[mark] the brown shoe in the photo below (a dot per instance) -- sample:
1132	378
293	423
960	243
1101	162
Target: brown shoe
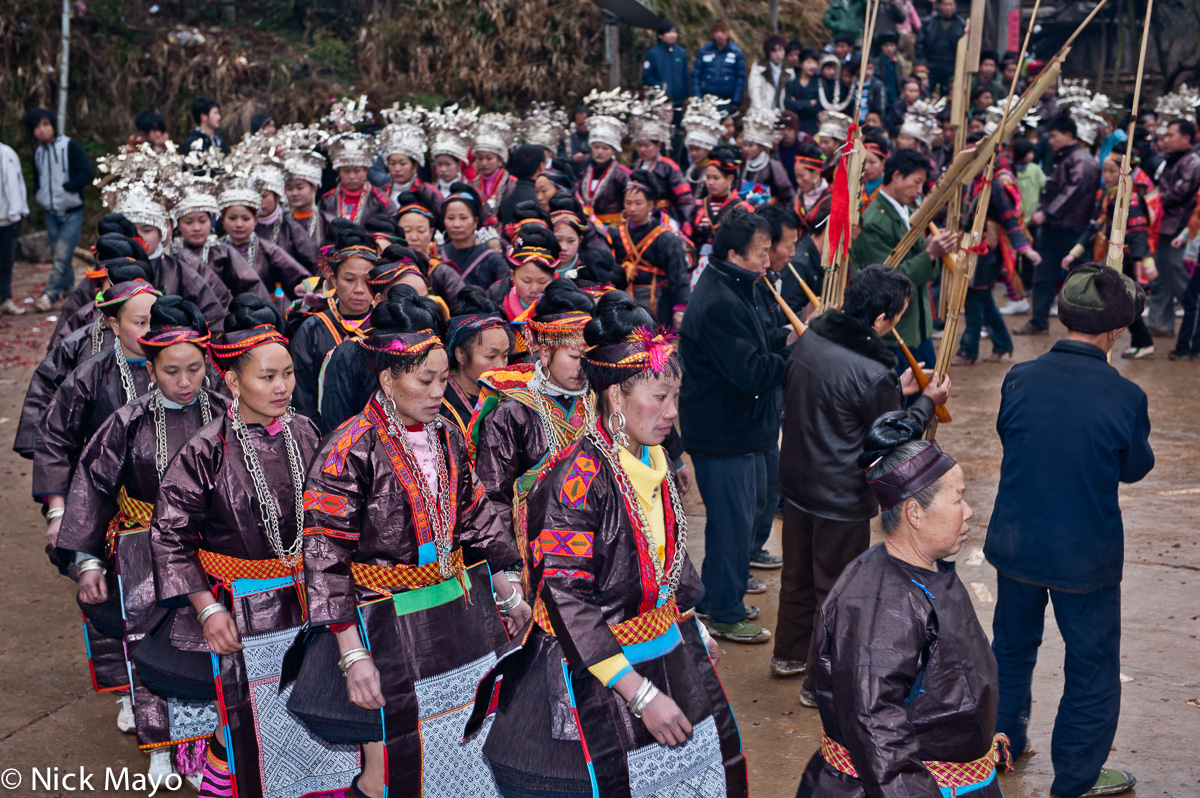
996	357
962	360
1029	328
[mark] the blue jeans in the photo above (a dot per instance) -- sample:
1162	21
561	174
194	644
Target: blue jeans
1090	624
980	309
766	471
64	232
729	488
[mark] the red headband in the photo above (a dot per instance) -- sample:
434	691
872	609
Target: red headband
810	163
235	344
169	336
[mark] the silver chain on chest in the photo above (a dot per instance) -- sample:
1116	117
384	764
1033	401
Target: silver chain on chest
160	426
291	556
671	580
127	385
275	229
441	534
312	225
97	333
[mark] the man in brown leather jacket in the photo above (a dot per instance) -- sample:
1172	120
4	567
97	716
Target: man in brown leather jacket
1066	203
840	378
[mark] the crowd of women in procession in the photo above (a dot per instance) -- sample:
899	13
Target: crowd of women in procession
378	492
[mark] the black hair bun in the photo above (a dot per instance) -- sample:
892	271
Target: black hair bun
353	236
888	432
381	223
464	188
473	299
396	253
725	152
536	235
411	197
113	246
562	296
407	311
565	201
614	318
810	150
175	311
116	223
247	311
126	271
529	210
600	268
336	226
643	177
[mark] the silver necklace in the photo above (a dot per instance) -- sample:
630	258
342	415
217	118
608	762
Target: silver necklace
127	385
541	387
441	535
275	229
312	225
291	556
98	333
160	426
670	580
838	103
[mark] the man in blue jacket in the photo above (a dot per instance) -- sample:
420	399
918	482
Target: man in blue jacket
720	69
1072	430
729	403
666	65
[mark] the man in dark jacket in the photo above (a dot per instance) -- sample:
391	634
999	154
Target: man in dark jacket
840	378
729	410
525	164
1066	203
720	69
1177	185
61	173
937	43
666	65
207	116
1073	429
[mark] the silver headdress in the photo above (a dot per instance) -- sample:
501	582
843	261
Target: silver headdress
610	110
544	126
702	122
650	117
448	131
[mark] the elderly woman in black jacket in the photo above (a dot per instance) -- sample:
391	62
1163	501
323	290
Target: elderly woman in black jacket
905	677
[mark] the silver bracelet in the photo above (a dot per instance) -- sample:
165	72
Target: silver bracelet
642	698
509	604
210	611
513	576
55	512
350	657
91	564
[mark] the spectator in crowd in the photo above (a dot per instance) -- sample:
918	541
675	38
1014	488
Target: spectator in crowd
937	44
803	93
13	208
151	127
845	17
1177	185
789	142
908	29
1063	214
1056	534
890	68
910	92
61	173
574	147
843	46
792	54
666	65
263	123
729	410
207	116
769	78
720	68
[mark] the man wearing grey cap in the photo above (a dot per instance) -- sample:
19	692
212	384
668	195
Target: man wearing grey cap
1073	429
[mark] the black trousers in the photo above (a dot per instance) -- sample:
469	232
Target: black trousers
1189	329
815	551
1054	245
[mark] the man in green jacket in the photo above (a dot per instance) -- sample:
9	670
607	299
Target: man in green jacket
884	223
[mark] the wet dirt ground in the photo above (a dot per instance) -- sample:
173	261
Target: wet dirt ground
50	718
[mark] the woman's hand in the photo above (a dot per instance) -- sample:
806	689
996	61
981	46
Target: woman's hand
684	478
666	722
221	634
92	587
516	619
1066	262
1178	241
52	531
362	685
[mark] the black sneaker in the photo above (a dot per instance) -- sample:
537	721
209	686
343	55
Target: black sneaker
755	585
760	559
1180	354
808	698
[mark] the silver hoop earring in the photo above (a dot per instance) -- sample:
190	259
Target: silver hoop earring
389	407
233	408
616	427
150	387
